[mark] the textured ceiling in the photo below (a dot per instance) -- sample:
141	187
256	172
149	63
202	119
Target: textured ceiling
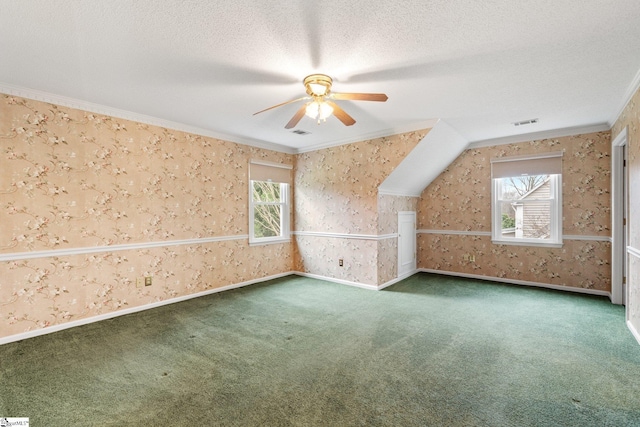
207	66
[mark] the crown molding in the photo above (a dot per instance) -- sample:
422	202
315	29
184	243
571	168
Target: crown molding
78	104
65	101
38	95
634	86
546	134
426	124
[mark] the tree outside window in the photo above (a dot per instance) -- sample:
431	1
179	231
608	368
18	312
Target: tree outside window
525	206
269	211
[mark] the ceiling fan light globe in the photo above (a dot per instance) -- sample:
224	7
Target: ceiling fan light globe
325	111
318	110
312	110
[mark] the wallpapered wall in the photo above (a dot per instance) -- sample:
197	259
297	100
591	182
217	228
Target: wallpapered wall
336	191
457	205
630	118
75	180
388	208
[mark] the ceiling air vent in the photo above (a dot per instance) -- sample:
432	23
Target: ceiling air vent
526	122
300	132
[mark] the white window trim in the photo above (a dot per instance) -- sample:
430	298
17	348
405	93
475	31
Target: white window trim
285	228
556	218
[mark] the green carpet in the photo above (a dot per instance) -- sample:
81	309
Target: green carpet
430	350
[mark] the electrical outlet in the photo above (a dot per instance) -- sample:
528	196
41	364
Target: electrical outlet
341	262
465	257
147	281
139	282
472	258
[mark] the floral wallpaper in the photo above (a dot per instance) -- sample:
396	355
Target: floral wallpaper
580	264
336	191
630	118
633	301
319	255
388	208
460	200
48	291
72	179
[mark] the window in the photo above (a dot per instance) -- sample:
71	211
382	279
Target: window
268	202
527	200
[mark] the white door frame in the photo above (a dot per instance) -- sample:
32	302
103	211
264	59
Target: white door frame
403	239
618	215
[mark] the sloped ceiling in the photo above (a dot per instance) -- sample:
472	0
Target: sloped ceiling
207	66
425	162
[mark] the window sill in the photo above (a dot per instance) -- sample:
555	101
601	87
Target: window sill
527	243
269	241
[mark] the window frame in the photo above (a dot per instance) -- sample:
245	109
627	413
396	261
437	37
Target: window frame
285	230
555	214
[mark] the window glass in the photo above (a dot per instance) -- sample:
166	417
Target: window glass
269	212
265	191
527	209
266	221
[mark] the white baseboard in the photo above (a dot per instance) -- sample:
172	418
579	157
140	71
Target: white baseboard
105	316
634	331
397	279
357	284
340	281
88	320
520	282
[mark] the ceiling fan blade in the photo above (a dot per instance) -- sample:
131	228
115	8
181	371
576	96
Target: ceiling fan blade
380	97
296	117
341	114
280	105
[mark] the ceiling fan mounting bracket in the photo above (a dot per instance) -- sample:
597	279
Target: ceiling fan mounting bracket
318	84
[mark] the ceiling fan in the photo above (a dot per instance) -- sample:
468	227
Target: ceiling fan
321	103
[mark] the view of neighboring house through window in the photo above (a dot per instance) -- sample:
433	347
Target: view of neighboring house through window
526	199
268	202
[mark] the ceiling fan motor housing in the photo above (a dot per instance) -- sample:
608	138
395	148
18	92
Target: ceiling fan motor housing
318	84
